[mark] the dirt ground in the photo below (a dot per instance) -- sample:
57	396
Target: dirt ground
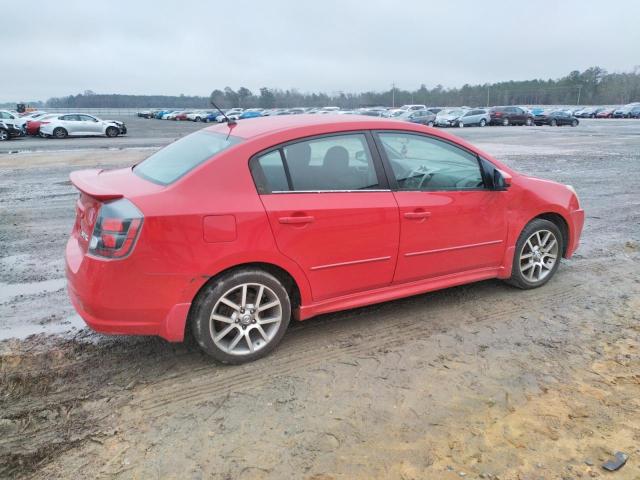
478	381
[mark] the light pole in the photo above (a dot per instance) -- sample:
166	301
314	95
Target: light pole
393	95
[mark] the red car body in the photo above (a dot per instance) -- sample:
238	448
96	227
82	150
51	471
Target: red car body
361	247
182	116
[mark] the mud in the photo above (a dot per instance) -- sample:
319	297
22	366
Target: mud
478	381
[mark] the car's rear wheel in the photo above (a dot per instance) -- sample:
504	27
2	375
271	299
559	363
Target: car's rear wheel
198	119
241	316
60	133
430	124
505	122
528	122
554	122
537	254
112	132
483	122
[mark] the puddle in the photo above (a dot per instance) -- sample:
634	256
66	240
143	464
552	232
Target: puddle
12	290
20	332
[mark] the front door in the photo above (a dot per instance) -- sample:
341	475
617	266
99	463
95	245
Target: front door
331	212
449	222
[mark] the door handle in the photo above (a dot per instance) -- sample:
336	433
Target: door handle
296	220
417	215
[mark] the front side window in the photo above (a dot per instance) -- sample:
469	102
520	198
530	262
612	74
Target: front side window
424	163
86	118
178	158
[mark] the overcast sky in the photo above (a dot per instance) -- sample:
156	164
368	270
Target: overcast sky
63	47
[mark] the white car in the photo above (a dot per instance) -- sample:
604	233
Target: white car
12	118
198	115
413	107
80	125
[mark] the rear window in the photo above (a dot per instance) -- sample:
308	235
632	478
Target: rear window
175	160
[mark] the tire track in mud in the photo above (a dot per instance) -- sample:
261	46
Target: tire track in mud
384	332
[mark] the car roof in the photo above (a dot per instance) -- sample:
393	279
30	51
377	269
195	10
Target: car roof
252	128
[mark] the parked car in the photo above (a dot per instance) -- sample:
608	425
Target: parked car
80	125
249	114
413	107
556	118
423	117
449	117
626	111
12	120
232	250
9	130
33	125
606	113
181	116
634	112
510	116
474	117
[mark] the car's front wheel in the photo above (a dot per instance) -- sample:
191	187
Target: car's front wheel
112	132
4	135
537	254
460	124
483	122
554	123
505	122
241	316
528	122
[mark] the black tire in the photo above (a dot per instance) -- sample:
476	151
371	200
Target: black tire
554	122
517	278
60	133
483	122
112	132
4	135
460	124
528	122
574	123
210	295
505	122
430	124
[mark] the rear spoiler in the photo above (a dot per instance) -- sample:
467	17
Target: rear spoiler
88	183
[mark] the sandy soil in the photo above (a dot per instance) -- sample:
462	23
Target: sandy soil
479	381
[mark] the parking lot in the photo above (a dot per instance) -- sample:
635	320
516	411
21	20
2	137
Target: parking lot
478	381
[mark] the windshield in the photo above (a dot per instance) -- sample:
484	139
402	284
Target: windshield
175	160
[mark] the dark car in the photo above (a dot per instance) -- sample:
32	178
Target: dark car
556	119
510	116
9	130
634	112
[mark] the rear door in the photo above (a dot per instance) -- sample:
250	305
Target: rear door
331	211
449	221
72	124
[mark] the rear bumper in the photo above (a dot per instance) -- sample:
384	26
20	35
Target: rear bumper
113	298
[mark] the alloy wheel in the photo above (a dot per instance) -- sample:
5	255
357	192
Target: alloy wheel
4	135
539	255
245	319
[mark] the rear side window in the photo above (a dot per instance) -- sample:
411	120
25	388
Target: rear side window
175	160
333	163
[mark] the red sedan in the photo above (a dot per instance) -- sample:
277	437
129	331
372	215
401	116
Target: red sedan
234	230
607	113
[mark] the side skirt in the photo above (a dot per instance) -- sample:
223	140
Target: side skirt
392	292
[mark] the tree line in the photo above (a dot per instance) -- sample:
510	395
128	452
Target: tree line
593	86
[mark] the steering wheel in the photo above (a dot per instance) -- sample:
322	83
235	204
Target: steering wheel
420	171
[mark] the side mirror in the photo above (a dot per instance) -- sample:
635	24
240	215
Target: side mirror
501	180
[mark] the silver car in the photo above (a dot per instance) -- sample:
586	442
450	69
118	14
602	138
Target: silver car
80	125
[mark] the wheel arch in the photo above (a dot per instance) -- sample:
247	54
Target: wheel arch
286	278
560	222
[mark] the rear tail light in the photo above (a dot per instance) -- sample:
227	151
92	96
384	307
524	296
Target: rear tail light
116	230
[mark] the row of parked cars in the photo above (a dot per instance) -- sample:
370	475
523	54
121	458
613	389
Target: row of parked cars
431	116
57	125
